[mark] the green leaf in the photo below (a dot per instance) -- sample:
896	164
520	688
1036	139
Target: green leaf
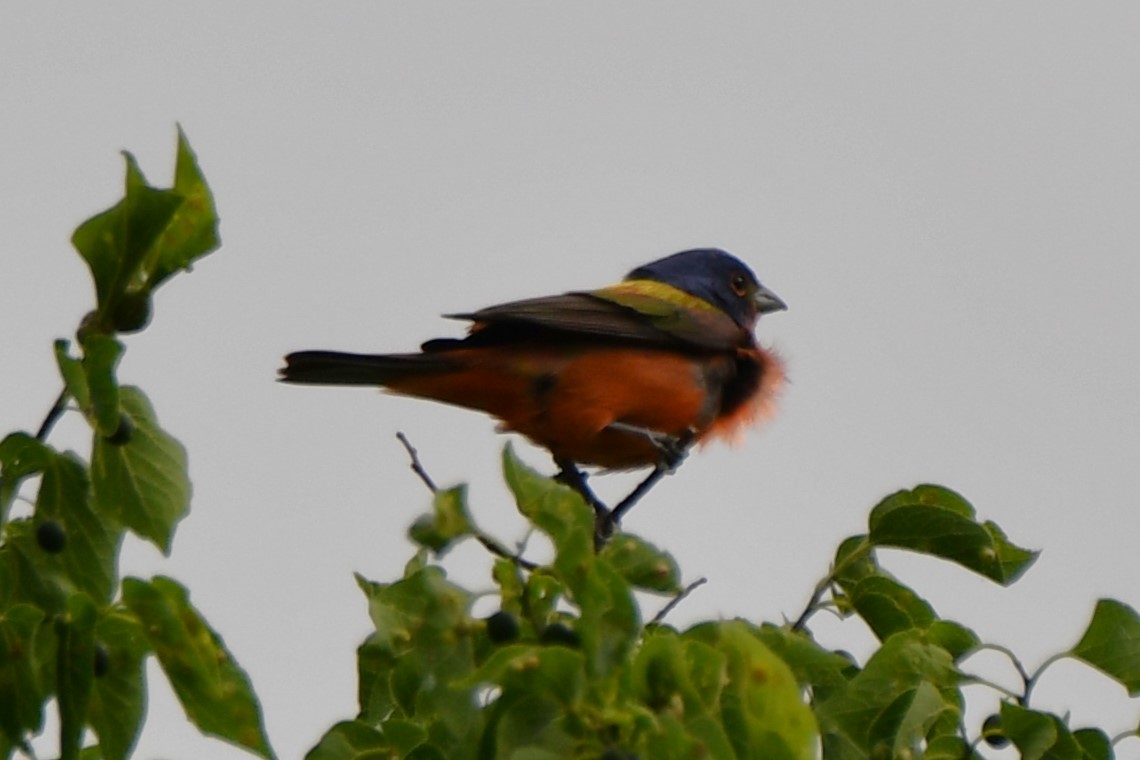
557	511
21	455
661	674
118	699
1038	735
422	648
557	672
642	564
374	664
403	735
88	560
902	726
74	378
707	668
510	581
448	522
949	748
193	230
528	726
1112	643
21	711
28	573
75	671
903	662
101	355
888	606
351	740
115	242
422	608
543	592
855	560
1095	744
812	664
142	484
936	521
149	235
610	620
214	691
761	707
955	638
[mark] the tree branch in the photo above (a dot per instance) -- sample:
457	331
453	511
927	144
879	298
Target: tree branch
417	468
488	542
660	616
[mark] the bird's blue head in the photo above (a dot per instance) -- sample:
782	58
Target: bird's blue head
717	277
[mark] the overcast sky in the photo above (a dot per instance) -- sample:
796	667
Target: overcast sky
946	195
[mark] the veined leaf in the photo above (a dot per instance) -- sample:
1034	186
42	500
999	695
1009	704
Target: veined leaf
1112	643
937	521
214	691
143	484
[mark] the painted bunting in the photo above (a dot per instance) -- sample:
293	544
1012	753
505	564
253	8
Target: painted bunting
622	377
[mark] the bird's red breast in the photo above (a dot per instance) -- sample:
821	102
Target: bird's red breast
564	397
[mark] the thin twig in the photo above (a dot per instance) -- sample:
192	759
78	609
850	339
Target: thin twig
1032	680
487	541
1124	735
1021	671
660	616
813	605
499	550
417	468
826	583
969	678
53	415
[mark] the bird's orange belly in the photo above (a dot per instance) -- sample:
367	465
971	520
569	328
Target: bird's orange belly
565	400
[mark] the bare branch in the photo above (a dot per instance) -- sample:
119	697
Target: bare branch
417	468
660	616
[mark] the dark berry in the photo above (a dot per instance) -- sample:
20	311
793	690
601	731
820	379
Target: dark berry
132	312
502	627
993	733
123	432
51	537
102	661
559	633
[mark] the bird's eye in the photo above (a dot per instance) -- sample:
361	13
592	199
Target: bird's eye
739	284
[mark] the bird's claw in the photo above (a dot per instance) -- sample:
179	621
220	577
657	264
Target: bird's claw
672	448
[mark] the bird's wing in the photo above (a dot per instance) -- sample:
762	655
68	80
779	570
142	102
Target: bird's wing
624	312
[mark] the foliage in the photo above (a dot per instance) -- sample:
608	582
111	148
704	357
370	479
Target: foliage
70	630
567	668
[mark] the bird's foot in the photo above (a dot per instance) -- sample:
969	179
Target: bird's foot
672	448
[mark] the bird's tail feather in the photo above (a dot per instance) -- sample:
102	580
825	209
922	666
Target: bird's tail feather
337	368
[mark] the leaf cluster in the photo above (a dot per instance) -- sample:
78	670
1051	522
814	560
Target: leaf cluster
71	630
567	668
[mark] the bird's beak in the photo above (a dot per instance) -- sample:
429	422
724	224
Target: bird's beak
766	301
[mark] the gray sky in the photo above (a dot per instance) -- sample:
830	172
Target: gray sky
945	194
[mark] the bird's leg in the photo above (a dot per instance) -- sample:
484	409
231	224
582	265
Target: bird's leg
672	449
570	475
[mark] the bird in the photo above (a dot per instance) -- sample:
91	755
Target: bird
624	377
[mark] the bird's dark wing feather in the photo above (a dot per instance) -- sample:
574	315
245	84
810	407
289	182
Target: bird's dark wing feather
644	321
